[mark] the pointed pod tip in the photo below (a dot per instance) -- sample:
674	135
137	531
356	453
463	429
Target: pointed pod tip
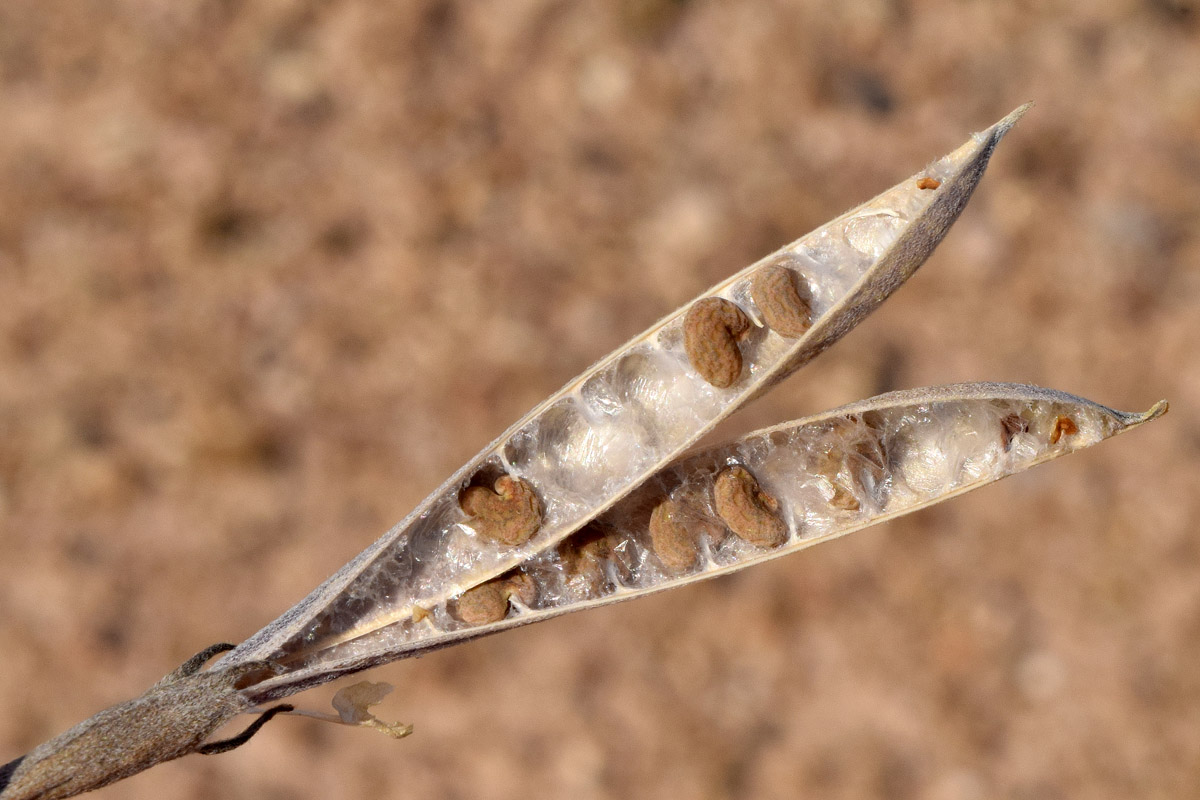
1156	411
1005	125
1130	421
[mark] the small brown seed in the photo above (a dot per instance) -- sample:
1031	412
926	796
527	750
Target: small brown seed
586	556
484	604
510	515
711	332
1063	426
1011	425
774	291
749	512
673	538
522	587
928	183
488	602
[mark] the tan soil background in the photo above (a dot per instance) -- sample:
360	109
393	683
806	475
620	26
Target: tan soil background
270	271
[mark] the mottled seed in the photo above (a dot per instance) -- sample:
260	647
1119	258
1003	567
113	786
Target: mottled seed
749	512
1063	426
510	515
586	556
928	183
673	537
777	297
1011	425
522	587
488	602
711	330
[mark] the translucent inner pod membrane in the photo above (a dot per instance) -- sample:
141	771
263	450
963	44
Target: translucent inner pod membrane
770	493
602	435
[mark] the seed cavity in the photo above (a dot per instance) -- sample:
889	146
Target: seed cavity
712	329
928	183
854	462
1063	426
751	513
510	514
829	466
778	299
488	602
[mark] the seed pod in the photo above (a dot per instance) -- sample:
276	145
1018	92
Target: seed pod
749	512
609	430
596	451
510	514
778	300
712	329
909	450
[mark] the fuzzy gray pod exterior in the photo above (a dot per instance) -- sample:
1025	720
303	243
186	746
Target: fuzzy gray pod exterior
172	719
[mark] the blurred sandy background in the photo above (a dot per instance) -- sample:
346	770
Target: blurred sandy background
270	271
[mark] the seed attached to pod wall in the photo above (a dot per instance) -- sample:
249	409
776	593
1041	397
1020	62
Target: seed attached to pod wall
928	183
1063	426
749	512
587	556
1011	425
488	602
774	291
673	537
712	329
510	514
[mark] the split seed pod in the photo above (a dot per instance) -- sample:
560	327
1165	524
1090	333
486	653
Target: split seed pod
614	426
597	502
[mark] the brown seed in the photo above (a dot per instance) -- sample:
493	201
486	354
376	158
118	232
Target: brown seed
1011	425
928	183
510	515
586	556
488	602
485	603
673	537
749	512
1063	426
522	587
711	332
774	291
